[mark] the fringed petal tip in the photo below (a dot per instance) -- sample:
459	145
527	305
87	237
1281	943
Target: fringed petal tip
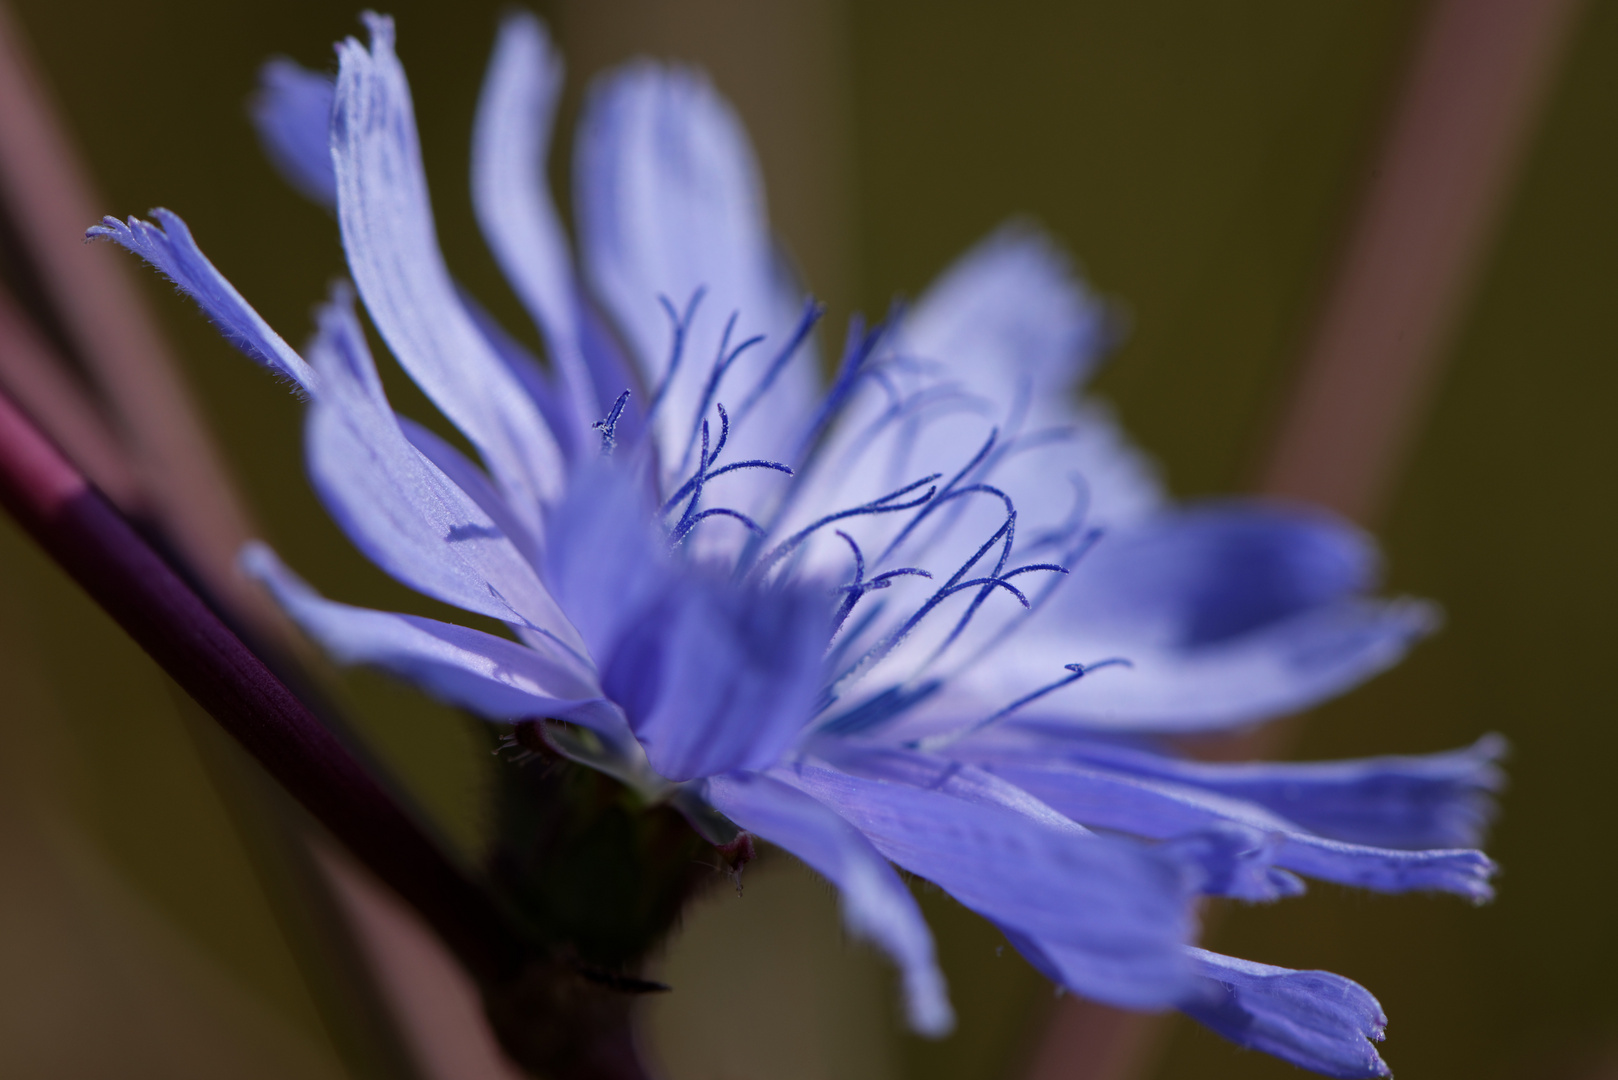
169	248
1313	1019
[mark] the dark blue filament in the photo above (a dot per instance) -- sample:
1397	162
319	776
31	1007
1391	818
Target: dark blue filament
857	350
693	487
609	426
722	364
685	527
949	492
880	708
1079	671
680	325
859	587
884	505
813	310
751	463
998	578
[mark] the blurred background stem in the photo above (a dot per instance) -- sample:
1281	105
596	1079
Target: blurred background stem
1474	84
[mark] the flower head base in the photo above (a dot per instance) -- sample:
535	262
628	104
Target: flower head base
934	615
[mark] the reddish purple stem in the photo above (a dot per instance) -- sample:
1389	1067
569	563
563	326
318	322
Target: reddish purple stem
99	549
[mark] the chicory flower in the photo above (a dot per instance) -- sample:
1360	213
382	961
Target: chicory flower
933	615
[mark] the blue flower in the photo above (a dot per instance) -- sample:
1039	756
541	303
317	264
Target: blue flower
935	615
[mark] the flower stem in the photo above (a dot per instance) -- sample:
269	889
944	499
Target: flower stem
549	1017
100	550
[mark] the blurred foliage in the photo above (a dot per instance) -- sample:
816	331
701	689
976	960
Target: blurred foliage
1200	160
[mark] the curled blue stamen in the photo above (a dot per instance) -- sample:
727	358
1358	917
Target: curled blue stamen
1031	567
884	505
723	360
685	527
724	433
859	560
1078	671
609	426
950	492
752	463
883	580
979	600
854	591
882	648
688	517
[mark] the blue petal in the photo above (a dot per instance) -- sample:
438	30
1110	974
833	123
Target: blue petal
1110	914
169	248
1313	1019
494	678
1411	802
292	112
1009	320
1233	860
465	474
395	505
511	195
1229	614
1160	809
388	233
876	905
1210	573
716	677
669	204
1237	861
604	560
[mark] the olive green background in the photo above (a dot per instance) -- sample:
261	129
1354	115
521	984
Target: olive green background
1201	161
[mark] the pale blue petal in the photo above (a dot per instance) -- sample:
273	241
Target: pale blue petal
1229	614
876	905
553	405
511	196
1313	1019
464	473
169	248
1011	321
1419	801
670	204
1159	809
388	233
292	112
1116	913
1233	860
966	782
395	505
494	678
986	355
